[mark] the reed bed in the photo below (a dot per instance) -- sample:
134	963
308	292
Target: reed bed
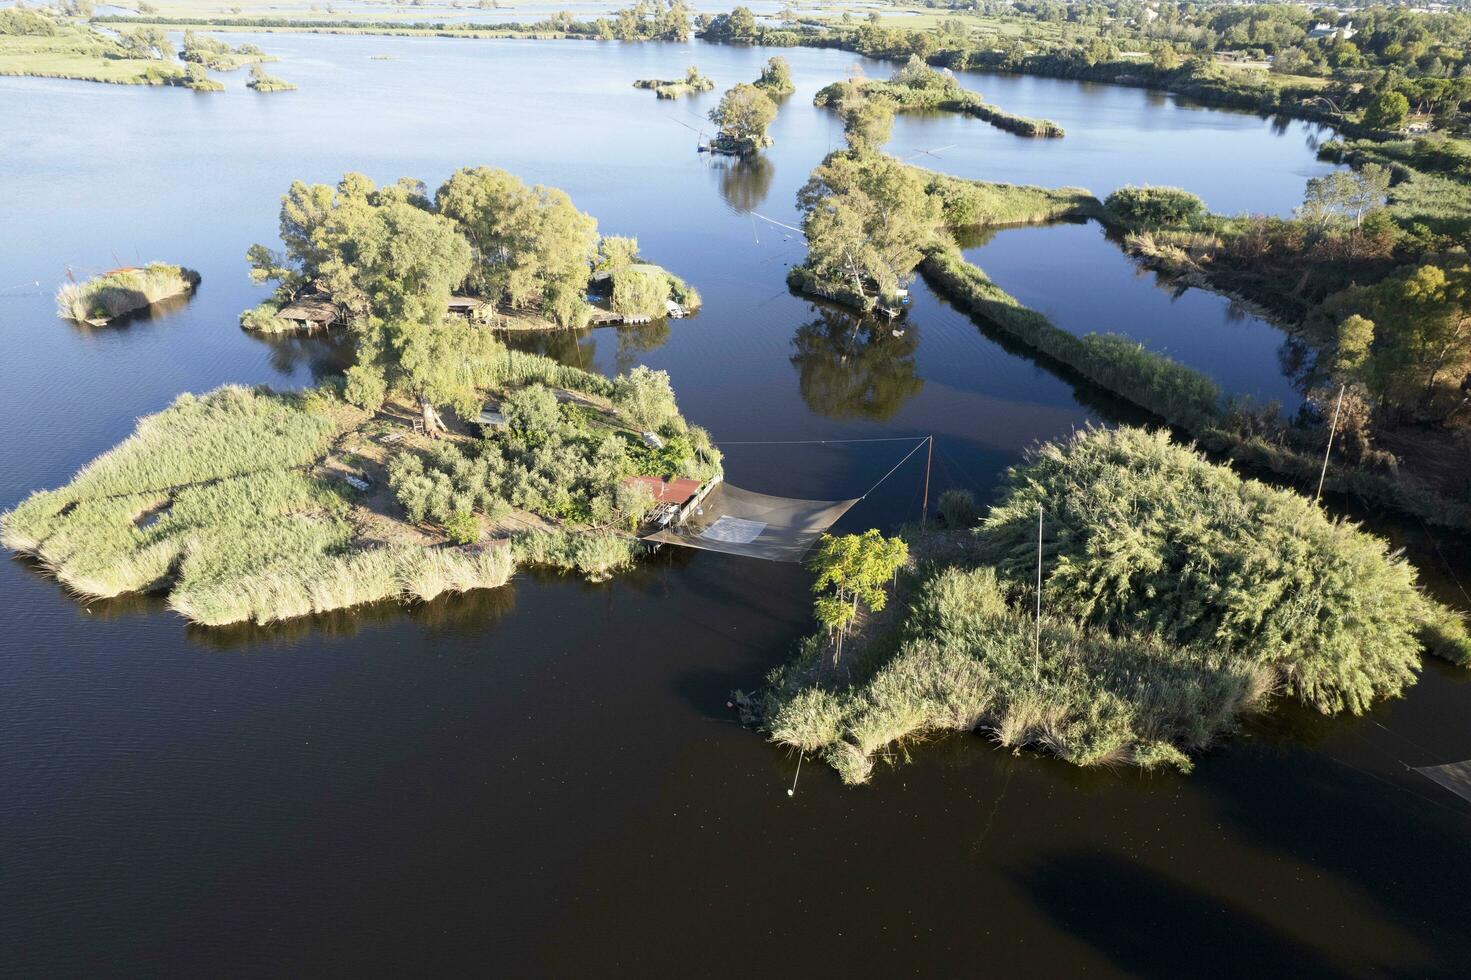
592	554
984	204
123	291
1176	595
965	661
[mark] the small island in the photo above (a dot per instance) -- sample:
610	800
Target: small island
917	87
692	82
1175	598
120	292
742	117
438	462
260	81
518	257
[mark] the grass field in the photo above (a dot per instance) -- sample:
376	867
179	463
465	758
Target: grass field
81	53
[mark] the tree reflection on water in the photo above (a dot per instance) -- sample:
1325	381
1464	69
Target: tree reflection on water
850	367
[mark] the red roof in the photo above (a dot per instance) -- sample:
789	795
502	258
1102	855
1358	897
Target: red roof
667	491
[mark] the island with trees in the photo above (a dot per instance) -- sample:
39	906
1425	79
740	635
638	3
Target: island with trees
745	112
692	82
59	42
916	87
533	258
437	463
1175	597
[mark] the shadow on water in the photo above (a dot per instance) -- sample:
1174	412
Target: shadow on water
322	354
1152	925
155	313
745	181
851	367
463	613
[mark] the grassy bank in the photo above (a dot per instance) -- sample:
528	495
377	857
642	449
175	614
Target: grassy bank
249	505
984	204
918	88
77	52
1177	597
120	292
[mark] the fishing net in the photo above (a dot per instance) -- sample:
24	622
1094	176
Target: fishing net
743	522
1454	776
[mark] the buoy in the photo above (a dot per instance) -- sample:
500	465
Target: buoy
793	790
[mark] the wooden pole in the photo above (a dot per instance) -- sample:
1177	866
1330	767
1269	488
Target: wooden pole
1331	430
1037	642
924	514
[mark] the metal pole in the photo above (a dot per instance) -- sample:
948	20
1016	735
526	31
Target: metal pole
1331	430
1037	643
924	514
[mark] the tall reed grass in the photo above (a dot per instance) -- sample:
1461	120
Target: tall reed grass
123	291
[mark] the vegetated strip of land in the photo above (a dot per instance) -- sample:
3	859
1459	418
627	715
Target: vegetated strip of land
436	463
1176	596
916	88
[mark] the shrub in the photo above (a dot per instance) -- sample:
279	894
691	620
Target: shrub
462	527
1154	207
1144	535
958	509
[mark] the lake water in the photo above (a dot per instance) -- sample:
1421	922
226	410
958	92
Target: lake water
1107	292
546	778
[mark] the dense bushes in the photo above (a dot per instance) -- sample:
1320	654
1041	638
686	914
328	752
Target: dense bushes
966	659
1176	596
1154	207
1147	536
122	291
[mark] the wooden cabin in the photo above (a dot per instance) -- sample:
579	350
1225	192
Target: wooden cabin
311	313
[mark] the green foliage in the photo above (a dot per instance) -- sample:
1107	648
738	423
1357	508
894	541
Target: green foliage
979	203
20	21
743	114
462	527
1343	197
260	81
958	509
868	219
915	88
594	555
964	660
1154	207
850	569
646	398
1143	535
1421	347
776	77
114	294
531	244
1388	111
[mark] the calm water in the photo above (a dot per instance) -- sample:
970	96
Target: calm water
545	778
1106	292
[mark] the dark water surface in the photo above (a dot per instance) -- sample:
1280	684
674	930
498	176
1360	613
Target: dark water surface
545	778
1084	282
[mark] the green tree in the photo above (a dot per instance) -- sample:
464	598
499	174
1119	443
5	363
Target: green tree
147	42
853	569
743	114
1388	111
776	77
1344	197
868	219
1422	346
1355	338
531	245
